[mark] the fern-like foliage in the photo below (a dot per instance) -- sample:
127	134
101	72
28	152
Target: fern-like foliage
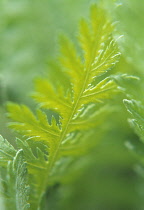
53	144
136	109
14	177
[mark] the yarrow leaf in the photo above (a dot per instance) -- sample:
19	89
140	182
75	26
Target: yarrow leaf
77	106
14	181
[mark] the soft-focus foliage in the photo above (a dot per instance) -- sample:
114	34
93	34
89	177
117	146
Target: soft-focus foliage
70	152
78	107
14	188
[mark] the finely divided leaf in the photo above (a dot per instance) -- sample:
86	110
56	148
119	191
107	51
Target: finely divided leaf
7	152
77	106
37	169
137	111
14	181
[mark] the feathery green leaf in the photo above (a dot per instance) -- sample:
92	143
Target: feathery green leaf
7	152
14	183
77	106
136	109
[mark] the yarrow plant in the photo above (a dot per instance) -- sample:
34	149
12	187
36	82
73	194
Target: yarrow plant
75	96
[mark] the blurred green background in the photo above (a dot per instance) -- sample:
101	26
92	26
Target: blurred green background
29	31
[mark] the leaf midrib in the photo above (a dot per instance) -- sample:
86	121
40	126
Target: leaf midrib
88	70
76	104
